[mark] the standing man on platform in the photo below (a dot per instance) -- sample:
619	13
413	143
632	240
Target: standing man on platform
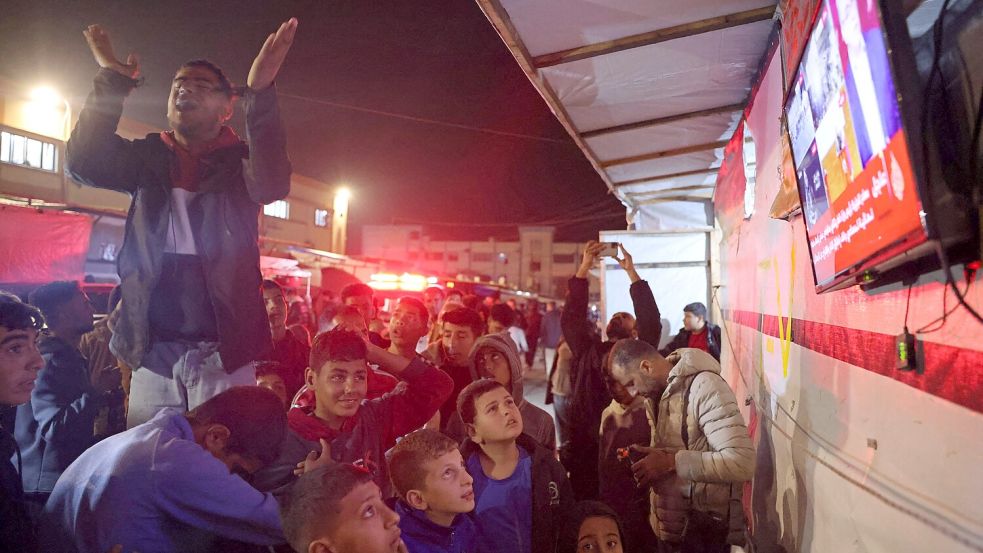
192	320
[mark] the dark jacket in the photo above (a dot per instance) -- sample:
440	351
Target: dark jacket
421	535
589	394
294	356
233	183
552	496
366	435
56	426
681	340
17	532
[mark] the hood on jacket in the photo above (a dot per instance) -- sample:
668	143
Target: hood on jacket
570	530
687	362
503	344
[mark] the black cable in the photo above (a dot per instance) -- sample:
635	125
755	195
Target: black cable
934	72
907	305
944	317
975	146
944	258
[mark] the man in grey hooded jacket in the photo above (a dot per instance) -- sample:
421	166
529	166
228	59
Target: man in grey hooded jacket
701	451
495	356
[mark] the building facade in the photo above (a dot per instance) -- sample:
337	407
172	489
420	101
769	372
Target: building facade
536	262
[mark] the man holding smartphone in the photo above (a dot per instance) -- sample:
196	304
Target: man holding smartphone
192	320
589	395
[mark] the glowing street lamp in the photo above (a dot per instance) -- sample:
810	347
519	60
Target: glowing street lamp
339	220
48	113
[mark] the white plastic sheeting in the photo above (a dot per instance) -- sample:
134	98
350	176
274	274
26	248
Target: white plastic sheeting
667	136
678	76
553	25
675	94
672	215
658	258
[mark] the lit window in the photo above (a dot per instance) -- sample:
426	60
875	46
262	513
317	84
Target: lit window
279	209
20	150
321	217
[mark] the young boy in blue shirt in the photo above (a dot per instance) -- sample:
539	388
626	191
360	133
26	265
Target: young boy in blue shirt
435	494
521	490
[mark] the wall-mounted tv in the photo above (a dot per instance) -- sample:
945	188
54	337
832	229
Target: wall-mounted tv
850	123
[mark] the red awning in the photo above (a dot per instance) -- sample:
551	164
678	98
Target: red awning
42	246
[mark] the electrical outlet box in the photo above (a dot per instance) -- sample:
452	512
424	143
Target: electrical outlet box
904	350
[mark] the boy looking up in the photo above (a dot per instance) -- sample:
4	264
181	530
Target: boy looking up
435	494
337	508
521	490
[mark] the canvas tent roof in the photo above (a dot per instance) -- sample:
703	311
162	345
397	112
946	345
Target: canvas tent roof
651	91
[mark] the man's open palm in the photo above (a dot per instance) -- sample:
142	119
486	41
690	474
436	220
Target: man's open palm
271	55
102	50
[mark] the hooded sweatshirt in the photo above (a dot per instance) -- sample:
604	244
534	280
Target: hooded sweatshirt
720	455
536	422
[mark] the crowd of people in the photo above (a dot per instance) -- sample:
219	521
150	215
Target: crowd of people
193	419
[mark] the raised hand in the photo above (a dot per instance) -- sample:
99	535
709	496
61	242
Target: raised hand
271	55
627	263
590	258
102	50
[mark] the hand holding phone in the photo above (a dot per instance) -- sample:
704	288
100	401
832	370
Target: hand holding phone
609	249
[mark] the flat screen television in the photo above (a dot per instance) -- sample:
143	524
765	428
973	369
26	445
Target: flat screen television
853	120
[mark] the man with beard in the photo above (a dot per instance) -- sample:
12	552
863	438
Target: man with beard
700	452
589	395
288	351
57	425
192	320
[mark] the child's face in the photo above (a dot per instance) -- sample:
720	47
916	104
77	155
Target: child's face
619	391
274	383
448	486
339	388
599	535
458	341
497	417
493	364
365	525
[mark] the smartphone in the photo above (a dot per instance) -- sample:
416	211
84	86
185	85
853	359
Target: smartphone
609	249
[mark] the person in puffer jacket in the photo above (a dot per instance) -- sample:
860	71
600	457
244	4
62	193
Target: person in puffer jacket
495	356
695	472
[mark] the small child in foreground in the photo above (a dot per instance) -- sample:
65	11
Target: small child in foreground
591	526
339	509
435	494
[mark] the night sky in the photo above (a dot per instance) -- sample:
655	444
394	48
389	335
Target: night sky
435	60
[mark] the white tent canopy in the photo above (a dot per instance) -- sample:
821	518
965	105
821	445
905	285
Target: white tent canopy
650	91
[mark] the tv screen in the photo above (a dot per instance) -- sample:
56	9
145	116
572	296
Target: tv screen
860	199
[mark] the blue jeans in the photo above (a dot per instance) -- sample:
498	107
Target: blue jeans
182	375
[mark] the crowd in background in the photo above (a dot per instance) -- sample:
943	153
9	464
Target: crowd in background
212	410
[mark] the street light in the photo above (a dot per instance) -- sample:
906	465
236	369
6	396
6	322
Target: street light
48	113
339	220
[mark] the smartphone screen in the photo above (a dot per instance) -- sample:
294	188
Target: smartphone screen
610	249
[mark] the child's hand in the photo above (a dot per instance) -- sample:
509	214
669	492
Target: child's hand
313	461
